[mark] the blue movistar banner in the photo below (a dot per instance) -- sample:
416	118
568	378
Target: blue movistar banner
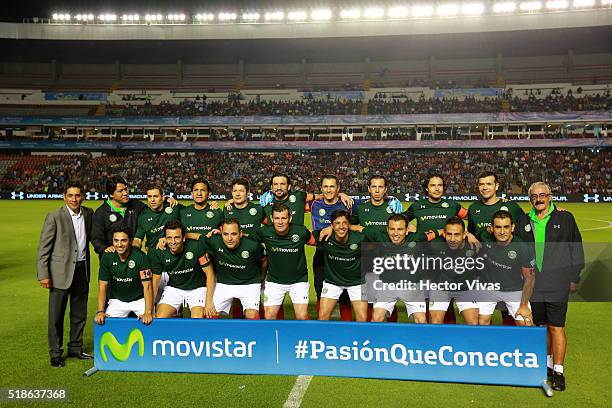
448	353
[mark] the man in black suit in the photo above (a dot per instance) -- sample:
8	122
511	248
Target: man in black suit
63	268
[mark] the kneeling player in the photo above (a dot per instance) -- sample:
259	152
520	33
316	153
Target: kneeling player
287	271
187	264
342	268
509	264
239	262
452	282
126	273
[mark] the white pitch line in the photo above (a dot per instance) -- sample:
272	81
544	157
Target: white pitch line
294	400
597	228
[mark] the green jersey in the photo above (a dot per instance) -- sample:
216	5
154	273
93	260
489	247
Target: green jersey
504	264
459	265
249	217
151	223
286	254
370	215
480	215
185	268
342	265
296	201
125	277
238	266
200	221
433	216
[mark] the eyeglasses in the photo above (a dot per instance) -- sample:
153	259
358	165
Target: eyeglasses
541	196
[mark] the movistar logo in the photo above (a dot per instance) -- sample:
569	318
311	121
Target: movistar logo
121	352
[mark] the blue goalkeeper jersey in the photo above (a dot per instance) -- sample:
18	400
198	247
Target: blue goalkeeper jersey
321	213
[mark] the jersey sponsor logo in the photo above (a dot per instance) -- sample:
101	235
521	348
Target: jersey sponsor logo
433	217
366	210
245	254
189	215
168	260
253	211
322	212
169	210
286	250
353	246
112	218
121	351
503	208
444	205
220	249
232	265
422	206
512	254
125	280
131	264
209	214
115	263
557	226
189	255
477	211
369	223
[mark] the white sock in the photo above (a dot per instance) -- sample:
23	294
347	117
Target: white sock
549	361
558	368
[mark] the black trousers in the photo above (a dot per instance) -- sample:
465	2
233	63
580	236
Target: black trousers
77	294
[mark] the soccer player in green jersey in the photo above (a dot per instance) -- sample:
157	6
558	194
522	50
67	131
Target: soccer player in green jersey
342	266
200	217
375	211
152	220
249	215
481	212
510	265
455	272
239	262
191	275
125	276
287	271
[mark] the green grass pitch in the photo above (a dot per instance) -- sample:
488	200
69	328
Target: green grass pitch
24	359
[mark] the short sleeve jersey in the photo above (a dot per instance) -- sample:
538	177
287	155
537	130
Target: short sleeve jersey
151	224
433	216
125	278
184	268
342	265
286	254
370	215
238	266
249	217
480	215
200	221
296	201
504	264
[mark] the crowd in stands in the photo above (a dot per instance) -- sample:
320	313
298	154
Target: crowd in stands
567	171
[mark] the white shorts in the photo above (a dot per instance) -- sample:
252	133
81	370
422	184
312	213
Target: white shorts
274	293
249	296
507	298
440	300
176	297
117	308
411	307
332	291
163	282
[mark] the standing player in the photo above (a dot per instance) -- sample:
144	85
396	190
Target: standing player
510	263
200	217
342	259
481	212
249	215
455	278
125	276
191	275
239	262
287	271
152	220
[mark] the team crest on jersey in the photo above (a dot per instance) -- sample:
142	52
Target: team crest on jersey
189	255
131	264
295	237
469	252
389	210
244	254
528	228
292	198
324	290
353	246
168	210
411	244
504	208
210	214
512	254
322	212
444	205
112	218
253	211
